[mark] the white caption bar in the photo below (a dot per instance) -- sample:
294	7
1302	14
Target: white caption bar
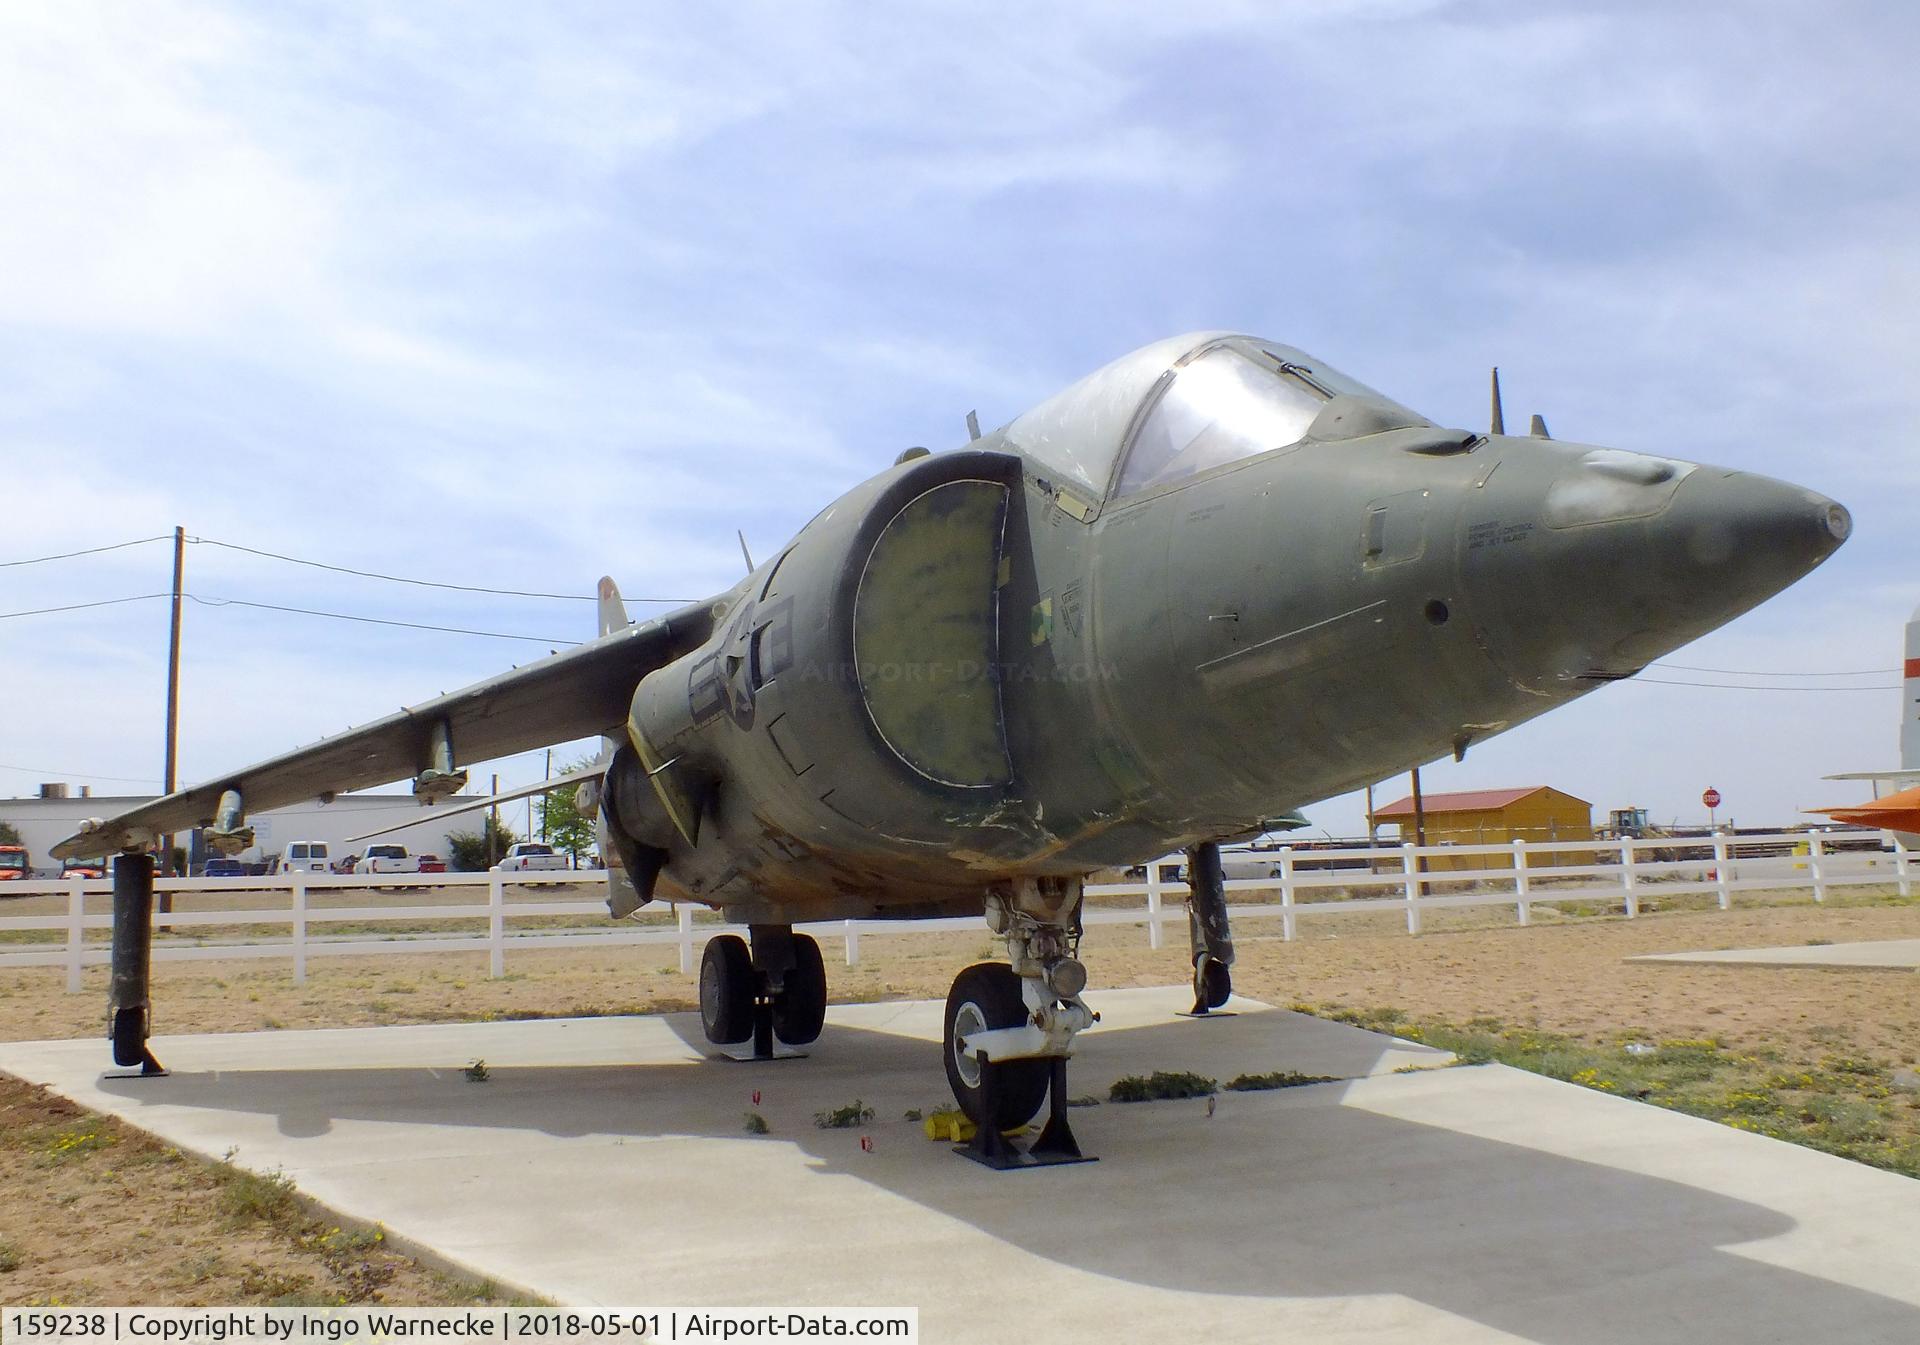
352	1326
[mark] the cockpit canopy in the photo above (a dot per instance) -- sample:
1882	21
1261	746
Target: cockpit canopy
1180	407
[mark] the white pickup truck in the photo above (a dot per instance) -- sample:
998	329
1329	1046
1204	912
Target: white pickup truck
531	857
387	859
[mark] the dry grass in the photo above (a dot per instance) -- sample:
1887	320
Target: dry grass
98	1212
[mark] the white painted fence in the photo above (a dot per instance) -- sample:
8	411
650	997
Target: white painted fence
1310	883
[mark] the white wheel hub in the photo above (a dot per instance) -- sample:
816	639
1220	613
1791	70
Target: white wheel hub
968	1021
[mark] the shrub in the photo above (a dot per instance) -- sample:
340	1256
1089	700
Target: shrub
1161	1084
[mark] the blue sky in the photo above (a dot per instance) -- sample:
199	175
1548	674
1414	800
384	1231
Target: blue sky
518	295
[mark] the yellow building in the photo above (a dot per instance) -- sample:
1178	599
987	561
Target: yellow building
1496	817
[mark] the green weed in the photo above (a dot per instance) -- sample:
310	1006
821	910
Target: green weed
855	1113
1285	1078
1161	1084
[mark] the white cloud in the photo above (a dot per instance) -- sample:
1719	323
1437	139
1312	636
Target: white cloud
477	293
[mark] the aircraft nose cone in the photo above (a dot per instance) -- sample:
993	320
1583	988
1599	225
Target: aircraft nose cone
1727	542
1737	539
1636	556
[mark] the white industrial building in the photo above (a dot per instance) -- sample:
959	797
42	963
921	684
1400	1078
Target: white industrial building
44	821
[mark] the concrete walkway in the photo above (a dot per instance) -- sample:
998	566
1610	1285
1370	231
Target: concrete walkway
1879	955
605	1162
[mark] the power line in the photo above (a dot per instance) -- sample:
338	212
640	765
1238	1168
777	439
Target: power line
90	551
78	606
369	620
50	773
423	583
1736	686
1755	672
299	611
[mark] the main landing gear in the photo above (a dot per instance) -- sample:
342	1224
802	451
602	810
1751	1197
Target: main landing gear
1208	932
1010	1026
779	989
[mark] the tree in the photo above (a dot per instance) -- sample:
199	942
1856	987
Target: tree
562	824
468	851
9	835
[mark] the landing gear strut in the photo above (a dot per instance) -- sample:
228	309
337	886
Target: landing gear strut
129	1010
1208	932
1010	1026
777	989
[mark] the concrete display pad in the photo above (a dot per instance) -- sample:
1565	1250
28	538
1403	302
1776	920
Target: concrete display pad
1880	955
605	1162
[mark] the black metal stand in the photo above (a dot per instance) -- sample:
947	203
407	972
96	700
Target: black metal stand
1056	1145
764	1046
129	1010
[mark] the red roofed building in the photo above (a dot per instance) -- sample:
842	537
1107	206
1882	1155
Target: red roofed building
1496	817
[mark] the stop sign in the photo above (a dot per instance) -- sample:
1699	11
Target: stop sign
1711	798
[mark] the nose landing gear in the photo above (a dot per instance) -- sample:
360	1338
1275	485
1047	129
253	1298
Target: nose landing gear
1010	1027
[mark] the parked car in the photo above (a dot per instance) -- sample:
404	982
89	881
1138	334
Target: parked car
432	864
85	868
224	868
387	859
531	857
301	857
13	863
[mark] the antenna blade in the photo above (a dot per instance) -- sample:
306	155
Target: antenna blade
1539	427
744	553
973	425
1499	417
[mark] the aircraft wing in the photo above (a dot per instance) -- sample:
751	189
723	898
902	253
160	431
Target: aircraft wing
581	693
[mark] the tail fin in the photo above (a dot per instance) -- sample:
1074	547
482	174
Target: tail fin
613	612
1910	699
623	898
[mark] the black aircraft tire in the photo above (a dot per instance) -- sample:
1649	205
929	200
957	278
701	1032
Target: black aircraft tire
987	996
726	990
129	1036
1212	983
800	1010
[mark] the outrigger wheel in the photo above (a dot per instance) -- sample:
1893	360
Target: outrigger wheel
1212	984
987	996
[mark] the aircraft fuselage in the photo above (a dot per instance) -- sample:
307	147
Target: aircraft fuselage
1013	660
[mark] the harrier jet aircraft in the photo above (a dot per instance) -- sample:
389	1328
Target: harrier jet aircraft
1214	581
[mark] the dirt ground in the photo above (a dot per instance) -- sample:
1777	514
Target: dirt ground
153	1224
96	1213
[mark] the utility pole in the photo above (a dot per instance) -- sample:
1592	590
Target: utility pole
493	832
1419	819
543	802
173	707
